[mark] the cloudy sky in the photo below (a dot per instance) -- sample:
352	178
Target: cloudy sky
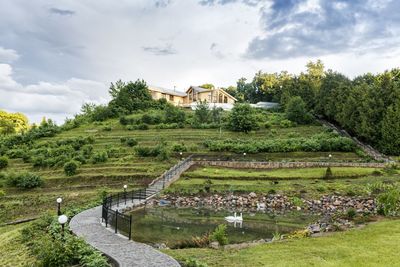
56	55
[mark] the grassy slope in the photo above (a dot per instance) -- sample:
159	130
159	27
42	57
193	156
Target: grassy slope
126	168
306	173
375	245
12	251
307	182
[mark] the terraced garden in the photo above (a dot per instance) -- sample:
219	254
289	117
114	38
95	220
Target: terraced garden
125	166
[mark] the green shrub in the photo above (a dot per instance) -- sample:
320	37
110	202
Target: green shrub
123	120
131	142
351	213
107	128
318	142
99	157
179	147
24	180
286	124
43	239
328	173
174	115
3	162
143	126
267	125
389	202
297	201
160	151
131	127
2	193
220	235
71	167
170	126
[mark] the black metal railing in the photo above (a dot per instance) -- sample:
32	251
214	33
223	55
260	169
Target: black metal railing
122	223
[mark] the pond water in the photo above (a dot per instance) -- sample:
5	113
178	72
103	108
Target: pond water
171	225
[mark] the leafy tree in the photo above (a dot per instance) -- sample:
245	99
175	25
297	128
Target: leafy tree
202	112
390	142
242	118
130	97
296	111
11	123
174	114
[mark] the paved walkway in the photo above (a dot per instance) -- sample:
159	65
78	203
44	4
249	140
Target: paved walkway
124	252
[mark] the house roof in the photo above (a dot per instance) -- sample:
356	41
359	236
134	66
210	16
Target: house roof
166	91
198	89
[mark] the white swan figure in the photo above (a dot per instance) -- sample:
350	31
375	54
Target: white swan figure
234	218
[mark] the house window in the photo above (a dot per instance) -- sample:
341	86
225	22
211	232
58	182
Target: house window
220	99
164	96
225	99
171	98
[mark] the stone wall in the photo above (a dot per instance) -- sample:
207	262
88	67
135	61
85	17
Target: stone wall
277	165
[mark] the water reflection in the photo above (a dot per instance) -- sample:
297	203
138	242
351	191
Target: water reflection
171	225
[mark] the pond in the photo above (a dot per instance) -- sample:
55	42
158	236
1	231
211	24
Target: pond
170	225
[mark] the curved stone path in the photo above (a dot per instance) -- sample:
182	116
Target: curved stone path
124	252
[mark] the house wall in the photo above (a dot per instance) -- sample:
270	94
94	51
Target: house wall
176	100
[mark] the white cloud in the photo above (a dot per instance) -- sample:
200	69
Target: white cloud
8	55
52	100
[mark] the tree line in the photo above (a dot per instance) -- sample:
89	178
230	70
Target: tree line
367	106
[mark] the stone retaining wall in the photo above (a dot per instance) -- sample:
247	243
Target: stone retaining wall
277	165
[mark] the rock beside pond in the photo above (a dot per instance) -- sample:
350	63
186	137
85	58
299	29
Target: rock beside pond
214	245
278	203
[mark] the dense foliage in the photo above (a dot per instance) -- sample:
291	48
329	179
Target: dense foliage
25	180
3	162
242	118
319	142
43	238
11	123
367	106
71	167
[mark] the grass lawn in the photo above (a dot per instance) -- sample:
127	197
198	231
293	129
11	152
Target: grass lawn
289	173
375	245
12	251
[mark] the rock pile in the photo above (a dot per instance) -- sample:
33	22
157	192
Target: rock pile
278	203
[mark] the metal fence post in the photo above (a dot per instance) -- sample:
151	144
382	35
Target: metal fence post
118	199
106	217
130	227
116	221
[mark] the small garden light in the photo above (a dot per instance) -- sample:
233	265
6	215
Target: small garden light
62	219
59	200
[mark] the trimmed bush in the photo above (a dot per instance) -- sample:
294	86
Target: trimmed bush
179	148
143	126
24	180
71	167
3	162
99	157
131	142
